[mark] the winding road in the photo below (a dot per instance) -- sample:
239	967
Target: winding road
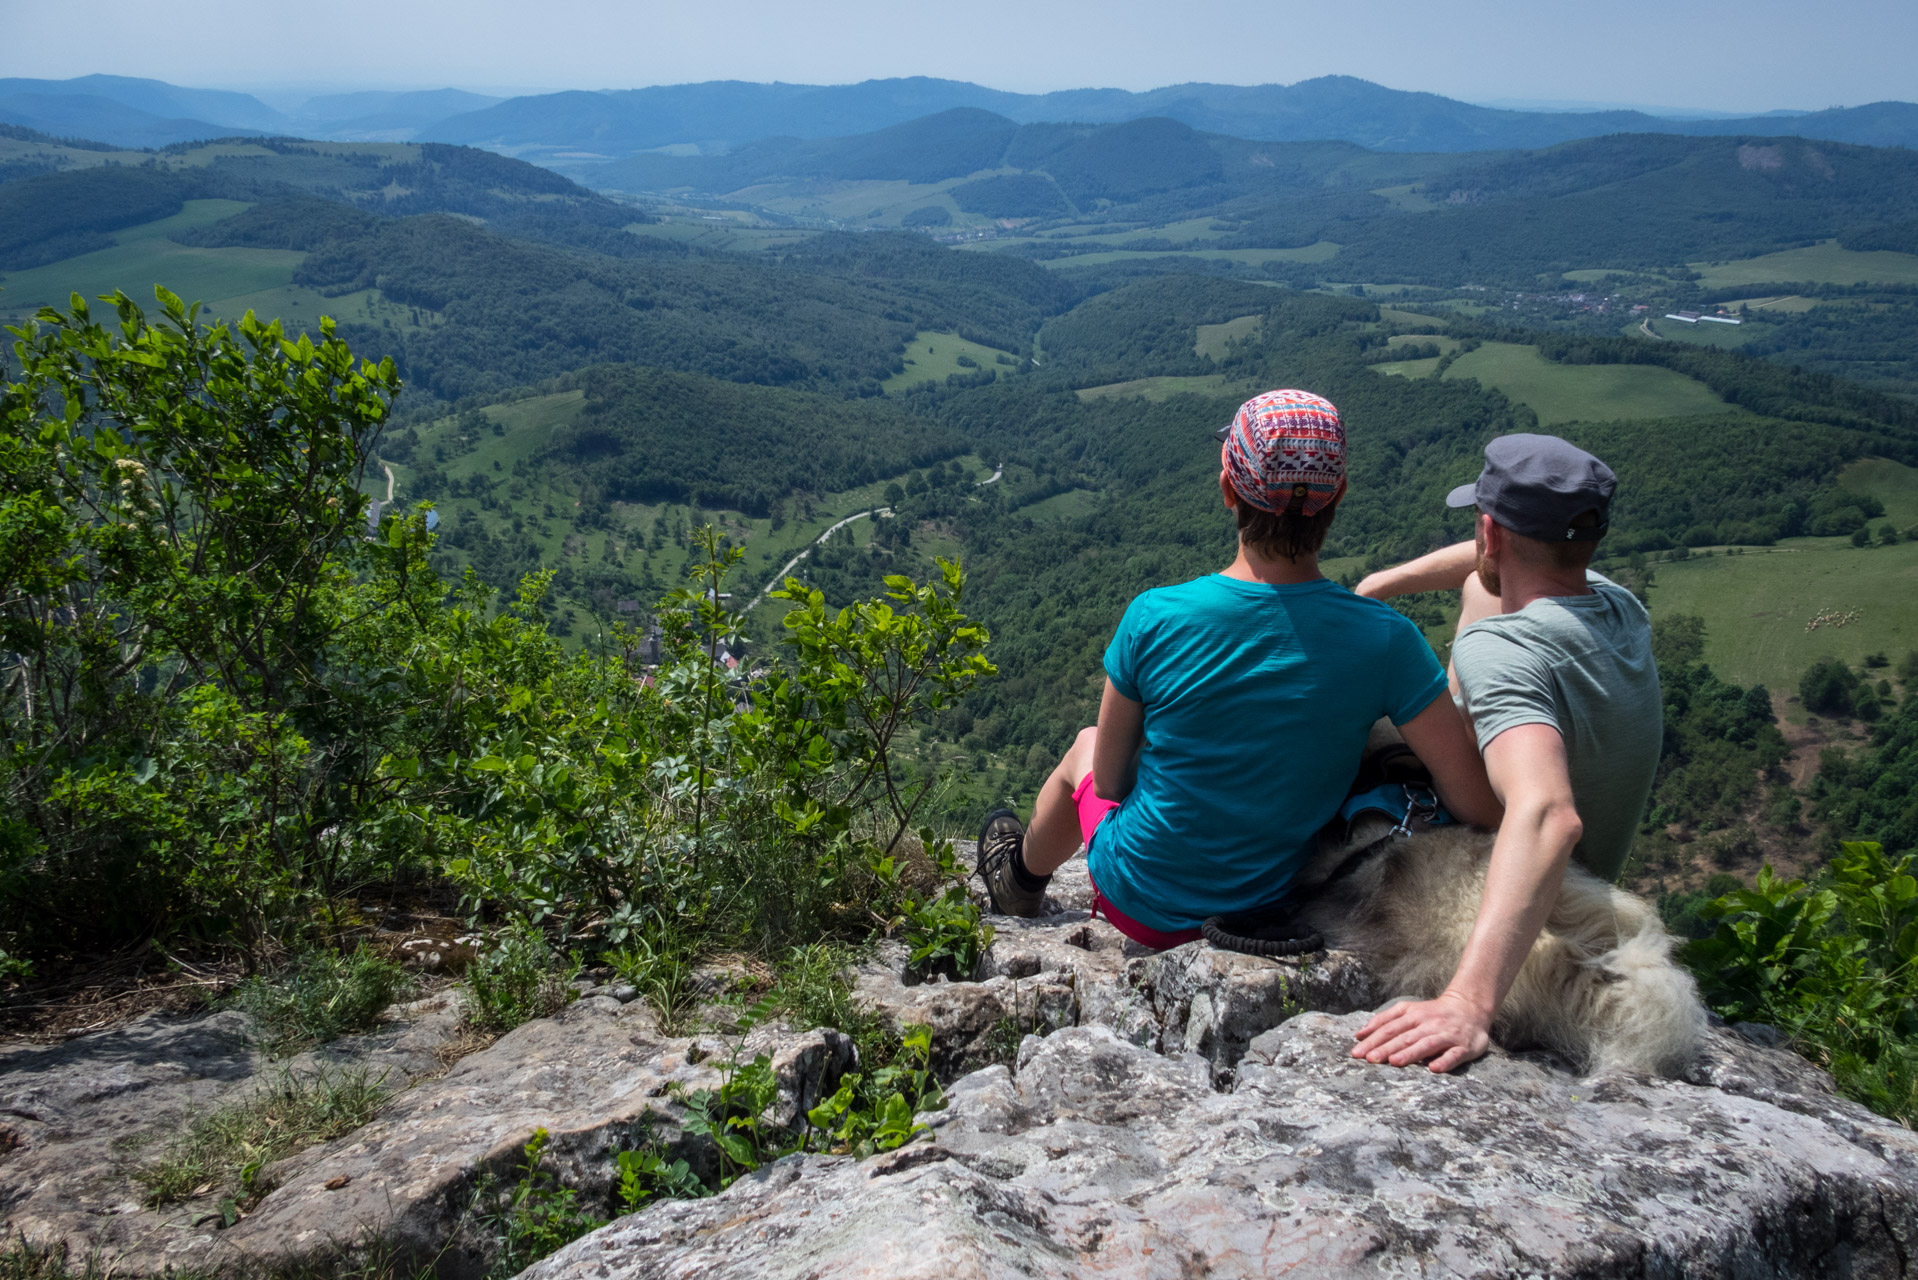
877	512
779	578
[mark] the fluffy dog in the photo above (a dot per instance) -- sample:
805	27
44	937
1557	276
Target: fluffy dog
1600	986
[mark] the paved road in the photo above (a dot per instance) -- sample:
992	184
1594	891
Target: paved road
994	477
390	482
1645	326
779	579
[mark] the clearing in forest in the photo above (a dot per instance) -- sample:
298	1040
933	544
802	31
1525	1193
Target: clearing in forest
1822	263
1758	604
1585	392
934	357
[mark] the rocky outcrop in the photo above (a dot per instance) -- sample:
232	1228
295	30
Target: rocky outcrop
1094	1155
1111	1111
598	1077
76	1118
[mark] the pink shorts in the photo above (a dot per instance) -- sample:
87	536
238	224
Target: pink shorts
1092	811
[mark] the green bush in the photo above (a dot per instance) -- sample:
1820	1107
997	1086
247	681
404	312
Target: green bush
1828	687
519	978
320	996
1834	964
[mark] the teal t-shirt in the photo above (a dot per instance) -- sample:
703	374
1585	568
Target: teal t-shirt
1257	701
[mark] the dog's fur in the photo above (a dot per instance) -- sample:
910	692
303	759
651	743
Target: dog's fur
1600	986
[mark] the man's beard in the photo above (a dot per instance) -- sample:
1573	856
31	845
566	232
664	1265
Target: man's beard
1487	575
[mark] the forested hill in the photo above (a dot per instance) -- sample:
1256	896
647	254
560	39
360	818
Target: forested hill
49	216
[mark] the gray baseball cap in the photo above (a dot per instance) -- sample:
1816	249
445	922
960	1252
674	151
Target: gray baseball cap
1537	485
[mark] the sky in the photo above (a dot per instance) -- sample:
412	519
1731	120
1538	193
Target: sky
1731	55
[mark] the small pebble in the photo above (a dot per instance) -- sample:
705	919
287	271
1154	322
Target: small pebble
623	993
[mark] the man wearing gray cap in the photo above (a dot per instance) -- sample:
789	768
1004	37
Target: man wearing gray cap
1552	666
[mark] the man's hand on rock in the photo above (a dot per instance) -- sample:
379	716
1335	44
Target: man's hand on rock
1444	1033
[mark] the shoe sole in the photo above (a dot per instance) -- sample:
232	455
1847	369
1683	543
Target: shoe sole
979	849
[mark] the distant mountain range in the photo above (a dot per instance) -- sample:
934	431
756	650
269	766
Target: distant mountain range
131	112
718	116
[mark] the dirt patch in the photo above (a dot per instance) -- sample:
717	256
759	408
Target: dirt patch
94	993
1808	740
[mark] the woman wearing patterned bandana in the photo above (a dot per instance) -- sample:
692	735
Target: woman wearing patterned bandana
1236	709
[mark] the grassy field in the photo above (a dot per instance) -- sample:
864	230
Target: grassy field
1789	303
1398	316
1424	367
1589	393
229	282
1157	389
1757	605
1215	338
1441	341
1061	506
933	357
1892	483
1823	263
142	257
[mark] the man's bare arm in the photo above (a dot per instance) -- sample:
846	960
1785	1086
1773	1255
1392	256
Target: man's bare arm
1115	754
1529	772
1443	570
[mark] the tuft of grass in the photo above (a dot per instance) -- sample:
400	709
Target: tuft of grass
321	996
519	979
226	1150
662	974
24	1260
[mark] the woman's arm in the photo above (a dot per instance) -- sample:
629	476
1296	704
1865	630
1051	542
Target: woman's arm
1443	743
1115	754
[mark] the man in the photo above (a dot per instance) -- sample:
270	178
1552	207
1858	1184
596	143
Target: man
1235	711
1552	666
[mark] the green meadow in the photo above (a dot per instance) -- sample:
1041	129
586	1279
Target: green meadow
228	282
1822	263
1164	388
1215	339
1759	604
142	257
934	357
1585	393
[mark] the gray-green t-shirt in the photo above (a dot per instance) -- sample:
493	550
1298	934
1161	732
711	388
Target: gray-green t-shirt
1582	664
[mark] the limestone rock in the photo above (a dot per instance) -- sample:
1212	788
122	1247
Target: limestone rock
76	1118
1102	1157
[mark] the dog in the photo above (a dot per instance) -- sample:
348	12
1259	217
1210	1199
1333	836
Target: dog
1600	986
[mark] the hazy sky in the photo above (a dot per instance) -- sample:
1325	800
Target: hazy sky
1728	54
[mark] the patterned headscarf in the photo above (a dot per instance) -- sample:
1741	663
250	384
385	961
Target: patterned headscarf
1285	451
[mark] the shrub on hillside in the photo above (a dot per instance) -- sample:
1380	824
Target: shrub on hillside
1828	687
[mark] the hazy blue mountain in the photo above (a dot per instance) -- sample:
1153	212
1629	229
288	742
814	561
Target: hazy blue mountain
101	119
234	112
383	117
719	114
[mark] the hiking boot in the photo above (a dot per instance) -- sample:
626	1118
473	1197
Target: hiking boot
1000	843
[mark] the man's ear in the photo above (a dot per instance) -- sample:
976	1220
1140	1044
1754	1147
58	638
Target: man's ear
1226	490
